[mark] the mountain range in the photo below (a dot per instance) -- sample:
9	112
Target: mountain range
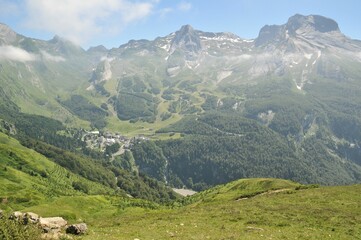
217	107
101	136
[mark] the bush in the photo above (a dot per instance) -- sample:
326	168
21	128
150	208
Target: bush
80	186
10	230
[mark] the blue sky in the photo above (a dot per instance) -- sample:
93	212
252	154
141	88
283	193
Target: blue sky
115	22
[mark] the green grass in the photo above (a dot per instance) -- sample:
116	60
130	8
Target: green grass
75	208
133	129
27	178
244	209
316	213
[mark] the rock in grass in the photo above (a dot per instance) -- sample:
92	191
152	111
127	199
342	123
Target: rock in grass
25	218
77	229
52	224
16	216
30	217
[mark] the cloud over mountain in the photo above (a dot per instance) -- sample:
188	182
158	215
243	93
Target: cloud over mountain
16	54
50	57
79	21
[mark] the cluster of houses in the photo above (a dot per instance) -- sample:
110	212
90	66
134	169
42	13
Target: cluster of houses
100	140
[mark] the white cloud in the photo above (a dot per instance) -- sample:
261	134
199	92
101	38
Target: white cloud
182	7
79	21
49	57
135	11
12	53
164	12
106	58
185	6
16	54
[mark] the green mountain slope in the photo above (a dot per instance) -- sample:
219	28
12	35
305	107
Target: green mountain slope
296	86
221	147
28	178
285	104
244	209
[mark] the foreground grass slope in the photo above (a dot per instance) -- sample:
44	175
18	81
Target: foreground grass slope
244	209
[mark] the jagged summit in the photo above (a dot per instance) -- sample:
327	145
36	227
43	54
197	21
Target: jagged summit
4	28
296	25
188	40
58	39
64	46
186	28
99	48
311	23
7	35
269	33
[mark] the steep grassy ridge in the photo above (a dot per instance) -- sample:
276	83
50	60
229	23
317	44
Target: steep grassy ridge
28	178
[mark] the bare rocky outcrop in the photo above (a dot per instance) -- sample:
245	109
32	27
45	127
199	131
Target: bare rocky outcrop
30	218
25	218
8	128
52	224
52	227
16	216
77	229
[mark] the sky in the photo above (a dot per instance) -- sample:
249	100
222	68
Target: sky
114	22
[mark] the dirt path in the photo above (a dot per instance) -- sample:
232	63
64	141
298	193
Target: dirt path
265	193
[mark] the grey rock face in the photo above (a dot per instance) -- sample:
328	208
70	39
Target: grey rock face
52	224
77	229
7	35
16	216
311	23
296	25
269	33
30	218
187	40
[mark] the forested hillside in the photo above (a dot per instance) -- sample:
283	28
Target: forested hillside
221	147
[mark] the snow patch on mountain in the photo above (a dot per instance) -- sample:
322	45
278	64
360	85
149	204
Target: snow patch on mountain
308	55
223	74
318	56
173	71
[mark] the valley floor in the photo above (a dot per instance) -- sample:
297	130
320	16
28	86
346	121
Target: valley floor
184	192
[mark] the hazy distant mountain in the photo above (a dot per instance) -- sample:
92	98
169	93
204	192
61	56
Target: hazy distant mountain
297	84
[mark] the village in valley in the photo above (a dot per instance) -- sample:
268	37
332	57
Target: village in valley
100	141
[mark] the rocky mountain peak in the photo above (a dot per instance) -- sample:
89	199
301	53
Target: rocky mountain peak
7	35
65	46
296	25
99	48
185	29
187	39
269	33
311	23
58	39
